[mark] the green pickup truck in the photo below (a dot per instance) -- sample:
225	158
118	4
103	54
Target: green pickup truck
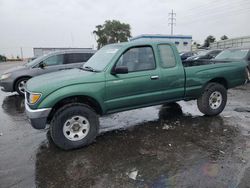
121	77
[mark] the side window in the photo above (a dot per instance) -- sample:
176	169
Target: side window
54	60
77	57
167	56
138	59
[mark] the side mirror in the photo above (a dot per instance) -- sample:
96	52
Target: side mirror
42	65
120	70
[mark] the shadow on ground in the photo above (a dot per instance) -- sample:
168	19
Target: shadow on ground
160	153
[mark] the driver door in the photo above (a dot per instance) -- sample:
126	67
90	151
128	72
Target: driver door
140	86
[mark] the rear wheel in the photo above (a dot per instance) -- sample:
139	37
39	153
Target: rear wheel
20	86
74	126
213	99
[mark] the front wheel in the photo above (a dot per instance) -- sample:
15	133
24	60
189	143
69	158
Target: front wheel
74	126
20	86
248	73
213	99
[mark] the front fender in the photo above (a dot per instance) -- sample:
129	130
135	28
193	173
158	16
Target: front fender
93	90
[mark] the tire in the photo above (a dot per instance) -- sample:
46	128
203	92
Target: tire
67	126
19	85
248	74
213	99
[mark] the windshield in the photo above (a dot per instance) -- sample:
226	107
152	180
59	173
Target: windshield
35	61
102	57
238	54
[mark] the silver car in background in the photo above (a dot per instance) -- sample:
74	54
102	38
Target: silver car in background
15	79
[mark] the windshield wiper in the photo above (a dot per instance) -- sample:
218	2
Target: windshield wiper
88	68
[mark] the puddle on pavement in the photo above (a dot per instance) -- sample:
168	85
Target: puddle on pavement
157	146
156	157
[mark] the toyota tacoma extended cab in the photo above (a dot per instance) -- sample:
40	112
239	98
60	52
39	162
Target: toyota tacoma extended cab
121	77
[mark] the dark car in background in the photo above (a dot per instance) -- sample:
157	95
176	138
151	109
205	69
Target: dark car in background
242	54
232	54
185	55
15	79
204	54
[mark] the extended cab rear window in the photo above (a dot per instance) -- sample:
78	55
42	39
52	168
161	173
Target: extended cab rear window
167	56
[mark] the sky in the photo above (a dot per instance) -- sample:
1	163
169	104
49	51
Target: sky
69	23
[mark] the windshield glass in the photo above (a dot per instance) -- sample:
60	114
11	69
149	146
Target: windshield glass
102	57
238	54
35	61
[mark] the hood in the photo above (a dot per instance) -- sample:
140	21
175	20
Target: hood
14	69
193	57
48	83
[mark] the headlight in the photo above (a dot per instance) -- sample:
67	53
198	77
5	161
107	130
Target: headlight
33	97
5	76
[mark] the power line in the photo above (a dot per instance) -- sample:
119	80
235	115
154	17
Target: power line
172	20
215	16
216	4
214	10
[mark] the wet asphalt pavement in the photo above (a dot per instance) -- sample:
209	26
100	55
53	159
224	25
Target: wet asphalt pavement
163	146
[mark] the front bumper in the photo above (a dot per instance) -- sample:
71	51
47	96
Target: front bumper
7	85
38	117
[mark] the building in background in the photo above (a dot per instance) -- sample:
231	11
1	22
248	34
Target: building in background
182	42
41	51
232	43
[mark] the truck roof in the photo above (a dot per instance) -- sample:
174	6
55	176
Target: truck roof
142	42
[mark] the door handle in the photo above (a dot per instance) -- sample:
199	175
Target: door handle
154	77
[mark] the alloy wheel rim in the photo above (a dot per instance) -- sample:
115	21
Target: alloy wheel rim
76	128
21	86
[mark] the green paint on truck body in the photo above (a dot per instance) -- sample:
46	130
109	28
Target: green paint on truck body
133	90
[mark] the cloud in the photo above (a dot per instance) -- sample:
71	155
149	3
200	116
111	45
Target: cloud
64	23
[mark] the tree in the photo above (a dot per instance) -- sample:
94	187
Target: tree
210	39
3	58
112	32
224	37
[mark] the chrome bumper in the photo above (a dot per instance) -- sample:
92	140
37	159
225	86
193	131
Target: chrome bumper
38	113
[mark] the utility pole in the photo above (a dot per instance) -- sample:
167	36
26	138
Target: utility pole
172	20
21	53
